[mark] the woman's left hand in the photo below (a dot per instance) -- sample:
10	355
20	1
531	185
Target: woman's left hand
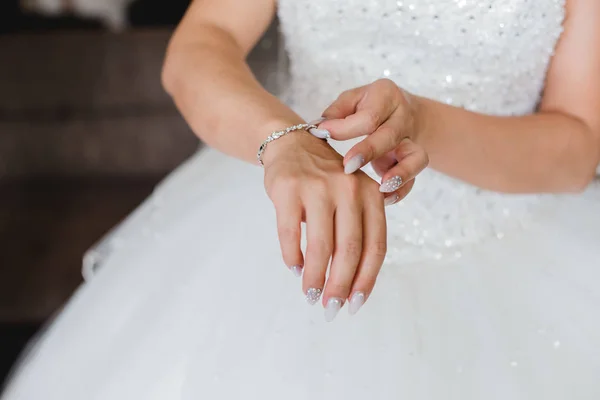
390	118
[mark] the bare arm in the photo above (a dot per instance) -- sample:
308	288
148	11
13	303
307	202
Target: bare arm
554	150
206	74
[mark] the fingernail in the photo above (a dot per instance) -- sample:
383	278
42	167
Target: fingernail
317	121
354	164
391	200
296	270
391	185
356	302
333	306
313	295
320	133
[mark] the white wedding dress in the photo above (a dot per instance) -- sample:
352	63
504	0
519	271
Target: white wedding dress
482	296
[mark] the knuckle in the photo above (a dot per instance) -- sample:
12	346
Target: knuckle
322	200
352	186
379	248
366	148
401	99
318	185
386	82
389	137
352	248
401	113
387	131
317	191
318	248
280	188
371	120
288	234
392	140
389	86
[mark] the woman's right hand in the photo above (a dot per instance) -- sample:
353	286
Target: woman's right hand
344	215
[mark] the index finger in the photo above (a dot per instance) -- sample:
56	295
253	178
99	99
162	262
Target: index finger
374	106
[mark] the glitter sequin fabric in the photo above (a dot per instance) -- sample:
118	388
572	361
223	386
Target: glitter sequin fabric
486	56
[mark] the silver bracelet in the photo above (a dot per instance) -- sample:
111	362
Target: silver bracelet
277	135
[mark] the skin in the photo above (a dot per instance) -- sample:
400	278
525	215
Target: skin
206	74
555	150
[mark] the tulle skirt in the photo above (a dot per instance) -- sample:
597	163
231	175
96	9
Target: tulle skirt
192	301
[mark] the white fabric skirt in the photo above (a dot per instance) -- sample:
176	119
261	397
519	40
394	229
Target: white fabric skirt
192	301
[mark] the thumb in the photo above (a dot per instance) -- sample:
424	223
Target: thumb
335	117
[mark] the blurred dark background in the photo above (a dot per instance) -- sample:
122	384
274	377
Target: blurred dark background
86	131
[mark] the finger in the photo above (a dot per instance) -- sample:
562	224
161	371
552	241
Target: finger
385	139
319	133
412	159
400	194
342	107
382	164
345	104
375	247
289	217
346	255
377	103
319	237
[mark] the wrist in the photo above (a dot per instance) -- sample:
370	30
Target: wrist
283	146
421	120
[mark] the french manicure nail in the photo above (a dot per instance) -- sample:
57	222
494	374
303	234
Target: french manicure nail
391	185
320	133
356	302
333	306
313	295
354	164
391	200
296	270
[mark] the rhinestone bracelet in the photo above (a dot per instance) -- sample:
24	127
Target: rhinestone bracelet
277	135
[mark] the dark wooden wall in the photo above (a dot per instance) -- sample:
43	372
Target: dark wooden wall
86	131
141	13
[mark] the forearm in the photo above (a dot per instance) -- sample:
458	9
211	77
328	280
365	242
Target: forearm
544	152
206	74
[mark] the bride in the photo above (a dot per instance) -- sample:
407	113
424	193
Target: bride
489	286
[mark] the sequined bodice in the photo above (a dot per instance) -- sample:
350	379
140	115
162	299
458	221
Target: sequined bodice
487	56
